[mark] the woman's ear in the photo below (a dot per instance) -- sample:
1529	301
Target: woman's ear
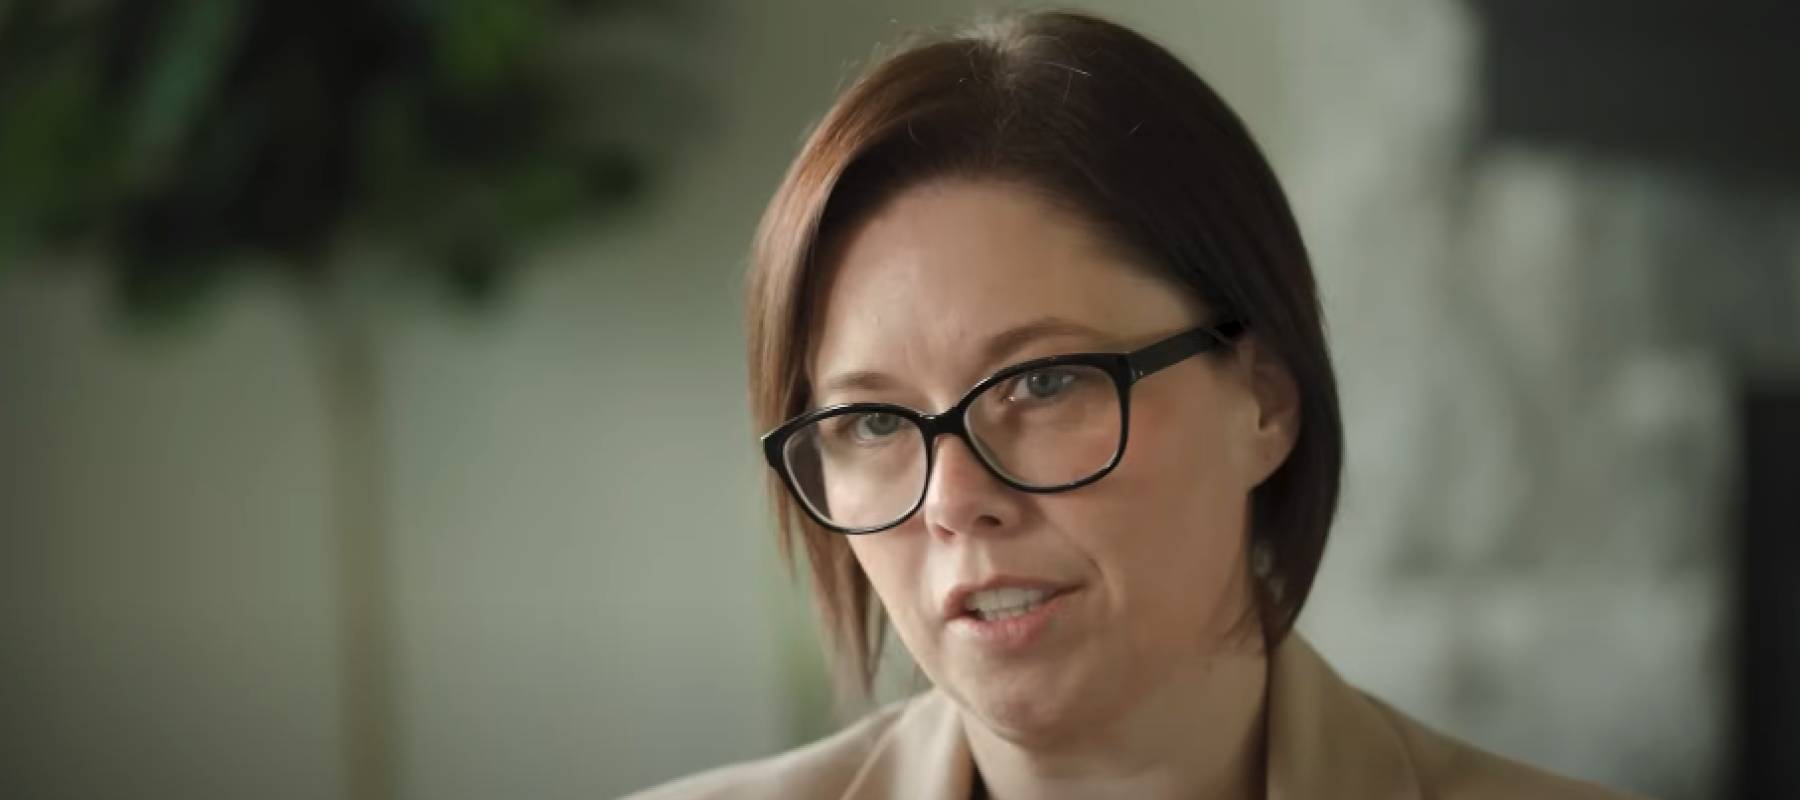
1277	406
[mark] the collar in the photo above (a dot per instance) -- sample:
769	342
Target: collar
1325	739
923	755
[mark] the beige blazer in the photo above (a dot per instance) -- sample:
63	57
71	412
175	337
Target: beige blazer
1326	740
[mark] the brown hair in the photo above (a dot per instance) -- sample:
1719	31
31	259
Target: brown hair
1113	126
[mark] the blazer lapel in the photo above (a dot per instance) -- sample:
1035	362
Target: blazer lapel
922	755
1325	738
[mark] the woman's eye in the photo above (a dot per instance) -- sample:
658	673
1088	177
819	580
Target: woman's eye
875	426
1042	384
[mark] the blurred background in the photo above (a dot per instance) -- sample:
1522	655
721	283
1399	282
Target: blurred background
372	420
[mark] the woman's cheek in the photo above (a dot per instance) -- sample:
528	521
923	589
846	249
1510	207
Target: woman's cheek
894	564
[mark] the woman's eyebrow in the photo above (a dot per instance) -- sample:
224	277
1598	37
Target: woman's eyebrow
997	347
859	380
1009	342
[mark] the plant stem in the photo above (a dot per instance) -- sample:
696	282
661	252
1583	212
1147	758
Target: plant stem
345	356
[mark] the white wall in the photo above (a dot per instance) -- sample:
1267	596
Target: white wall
165	590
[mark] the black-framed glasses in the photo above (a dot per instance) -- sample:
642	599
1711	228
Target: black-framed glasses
1042	426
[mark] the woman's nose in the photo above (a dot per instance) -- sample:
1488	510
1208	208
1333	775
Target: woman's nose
964	498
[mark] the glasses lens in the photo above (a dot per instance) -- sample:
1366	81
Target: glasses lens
1050	426
862	469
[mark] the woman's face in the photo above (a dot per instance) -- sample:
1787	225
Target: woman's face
1146	568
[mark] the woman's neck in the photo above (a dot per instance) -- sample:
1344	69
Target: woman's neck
1200	734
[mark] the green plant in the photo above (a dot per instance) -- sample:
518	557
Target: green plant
188	140
185	135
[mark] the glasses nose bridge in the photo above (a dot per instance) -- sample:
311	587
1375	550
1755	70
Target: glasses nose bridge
954	422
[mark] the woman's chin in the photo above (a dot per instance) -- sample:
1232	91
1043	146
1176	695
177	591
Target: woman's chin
1024	709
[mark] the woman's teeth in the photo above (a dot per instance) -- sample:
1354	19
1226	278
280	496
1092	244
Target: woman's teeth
990	605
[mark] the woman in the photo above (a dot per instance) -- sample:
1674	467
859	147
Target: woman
1041	359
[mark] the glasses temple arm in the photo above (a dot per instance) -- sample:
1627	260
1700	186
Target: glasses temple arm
1175	348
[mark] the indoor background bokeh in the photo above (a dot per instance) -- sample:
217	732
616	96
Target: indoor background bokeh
372	540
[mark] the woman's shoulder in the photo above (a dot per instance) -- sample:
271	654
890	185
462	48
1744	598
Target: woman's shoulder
825	768
1329	739
1452	768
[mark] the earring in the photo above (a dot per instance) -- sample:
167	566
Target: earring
1262	568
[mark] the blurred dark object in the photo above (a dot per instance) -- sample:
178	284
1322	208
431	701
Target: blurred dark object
188	134
1709	86
1768	702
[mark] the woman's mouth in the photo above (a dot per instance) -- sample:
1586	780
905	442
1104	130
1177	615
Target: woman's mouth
991	605
1008	619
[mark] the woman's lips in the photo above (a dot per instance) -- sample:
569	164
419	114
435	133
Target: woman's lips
1015	633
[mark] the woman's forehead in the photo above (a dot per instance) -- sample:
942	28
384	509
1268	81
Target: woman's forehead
940	271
